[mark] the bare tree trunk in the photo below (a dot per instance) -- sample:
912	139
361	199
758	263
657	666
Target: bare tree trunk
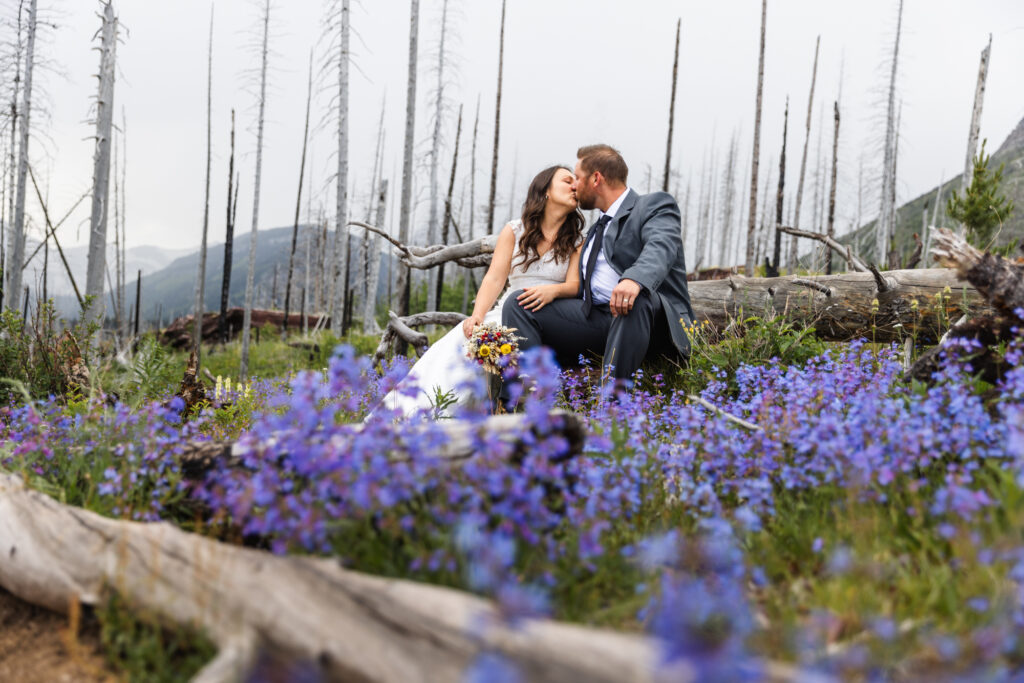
378	173
497	123
728	203
752	217
685	218
702	214
979	98
672	111
434	277
298	202
448	207
764	232
101	169
893	256
402	284
12	291
370	301
772	267
832	191
123	274
472	206
794	247
197	335
935	217
250	275
340	303
115	291
883	226
229	239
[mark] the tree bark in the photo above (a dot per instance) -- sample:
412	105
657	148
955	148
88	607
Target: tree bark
354	626
243	370
12	292
402	284
101	169
472	205
298	200
497	123
671	111
752	217
370	301
832	189
448	208
433	232
847	312
794	253
979	99
883	225
772	267
341	241
201	275
229	239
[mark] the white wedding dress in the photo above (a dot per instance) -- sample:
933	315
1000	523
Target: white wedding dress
444	369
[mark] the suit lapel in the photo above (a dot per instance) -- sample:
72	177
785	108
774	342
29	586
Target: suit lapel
612	231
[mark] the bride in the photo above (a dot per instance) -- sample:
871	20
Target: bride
538	254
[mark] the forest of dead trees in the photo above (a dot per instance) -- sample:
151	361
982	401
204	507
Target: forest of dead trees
364	246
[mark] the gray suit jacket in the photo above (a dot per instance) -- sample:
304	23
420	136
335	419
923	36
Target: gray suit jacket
644	243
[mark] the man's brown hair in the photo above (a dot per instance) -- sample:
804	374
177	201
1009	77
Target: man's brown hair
604	159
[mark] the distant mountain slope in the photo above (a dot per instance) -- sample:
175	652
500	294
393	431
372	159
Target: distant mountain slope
909	215
172	286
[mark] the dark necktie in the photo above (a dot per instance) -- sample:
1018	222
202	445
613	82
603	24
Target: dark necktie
588	272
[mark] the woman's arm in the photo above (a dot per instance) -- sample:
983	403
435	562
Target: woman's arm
536	298
494	280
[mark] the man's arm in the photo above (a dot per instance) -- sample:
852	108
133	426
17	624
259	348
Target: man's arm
660	235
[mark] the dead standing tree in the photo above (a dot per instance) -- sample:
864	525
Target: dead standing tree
794	251
251	271
979	98
752	216
197	335
884	223
434	278
12	274
402	284
341	242
229	239
672	111
832	190
448	218
497	123
472	205
298	202
772	267
101	169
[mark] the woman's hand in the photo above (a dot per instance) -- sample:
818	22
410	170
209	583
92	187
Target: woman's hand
469	323
536	298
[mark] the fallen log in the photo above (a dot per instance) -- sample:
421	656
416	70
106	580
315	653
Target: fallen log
1001	283
884	306
179	333
351	625
198	457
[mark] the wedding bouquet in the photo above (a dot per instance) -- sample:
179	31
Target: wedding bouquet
493	347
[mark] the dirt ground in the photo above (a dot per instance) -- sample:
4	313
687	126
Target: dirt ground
34	647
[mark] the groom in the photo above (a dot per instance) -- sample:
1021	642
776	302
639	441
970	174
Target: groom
632	276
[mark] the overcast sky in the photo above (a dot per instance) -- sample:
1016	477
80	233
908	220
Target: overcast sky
575	72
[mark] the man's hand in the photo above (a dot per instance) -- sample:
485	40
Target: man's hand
623	297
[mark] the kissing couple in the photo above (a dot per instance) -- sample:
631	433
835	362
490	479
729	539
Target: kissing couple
620	292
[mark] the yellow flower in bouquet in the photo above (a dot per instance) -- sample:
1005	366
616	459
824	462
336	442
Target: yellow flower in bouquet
494	347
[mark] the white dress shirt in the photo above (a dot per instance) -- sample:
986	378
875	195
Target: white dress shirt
604	279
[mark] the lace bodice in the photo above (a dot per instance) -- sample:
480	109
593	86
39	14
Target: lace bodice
544	271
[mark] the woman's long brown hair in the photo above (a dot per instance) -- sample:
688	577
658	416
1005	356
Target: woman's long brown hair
569	232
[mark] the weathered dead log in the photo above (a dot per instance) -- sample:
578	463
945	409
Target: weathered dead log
471	254
1001	283
352	625
855	308
198	457
401	328
179	333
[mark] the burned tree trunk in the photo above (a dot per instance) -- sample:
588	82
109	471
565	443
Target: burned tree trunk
672	111
101	169
794	253
883	226
979	99
201	275
402	283
832	190
12	273
752	217
497	123
772	267
339	306
298	200
448	207
229	238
